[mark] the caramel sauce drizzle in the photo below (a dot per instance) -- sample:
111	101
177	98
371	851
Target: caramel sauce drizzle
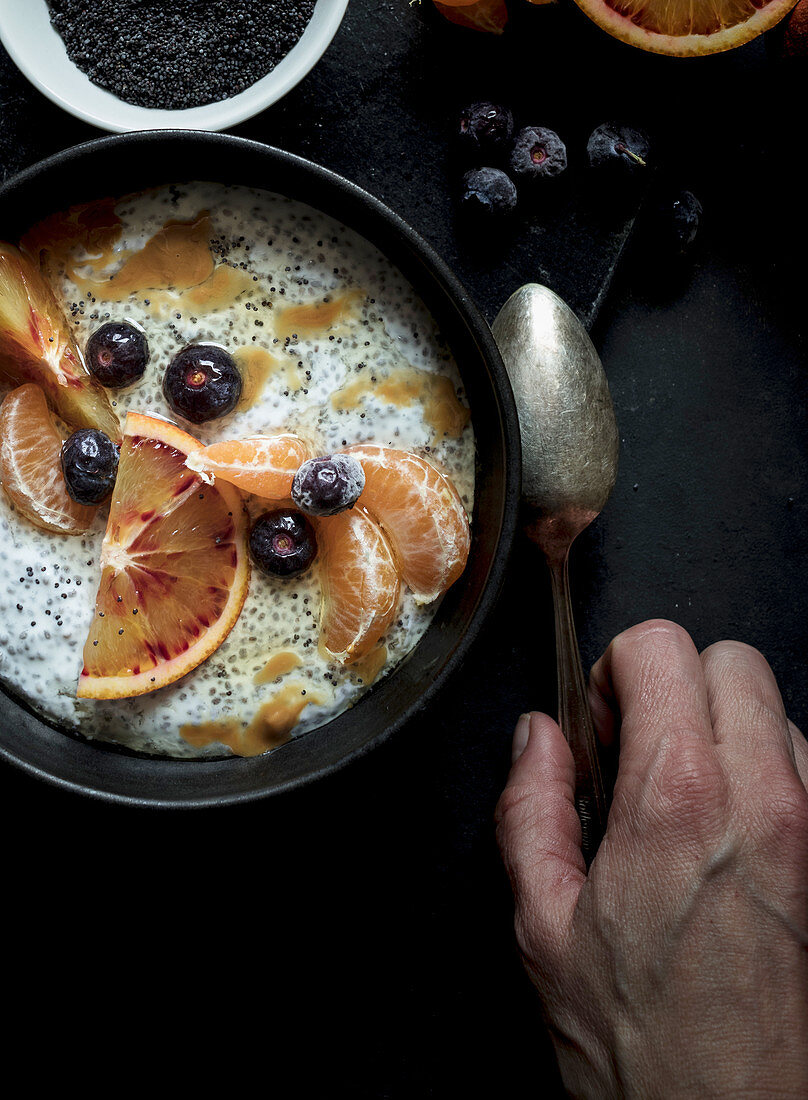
403	386
367	668
309	318
271	727
219	291
178	257
92	226
278	665
257	366
175	267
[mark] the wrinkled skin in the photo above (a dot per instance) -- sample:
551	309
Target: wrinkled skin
678	966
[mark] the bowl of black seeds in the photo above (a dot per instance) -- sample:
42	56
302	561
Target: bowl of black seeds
146	64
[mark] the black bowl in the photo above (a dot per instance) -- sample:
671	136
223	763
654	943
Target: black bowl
120	164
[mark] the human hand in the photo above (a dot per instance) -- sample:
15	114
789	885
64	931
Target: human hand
678	966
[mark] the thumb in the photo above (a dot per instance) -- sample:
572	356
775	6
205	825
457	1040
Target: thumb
539	832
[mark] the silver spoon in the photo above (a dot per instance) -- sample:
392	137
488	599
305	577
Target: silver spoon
569	460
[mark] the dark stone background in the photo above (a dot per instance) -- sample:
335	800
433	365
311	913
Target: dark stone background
357	935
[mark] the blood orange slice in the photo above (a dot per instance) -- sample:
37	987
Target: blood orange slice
264	465
683	28
30	464
360	584
422	515
36	345
174	567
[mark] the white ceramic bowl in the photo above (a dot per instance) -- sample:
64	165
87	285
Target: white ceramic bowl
39	53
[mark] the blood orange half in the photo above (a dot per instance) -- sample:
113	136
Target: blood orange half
682	28
175	568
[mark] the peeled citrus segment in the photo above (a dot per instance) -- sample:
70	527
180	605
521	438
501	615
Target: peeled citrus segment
36	345
422	515
264	465
360	584
30	464
174	567
683	28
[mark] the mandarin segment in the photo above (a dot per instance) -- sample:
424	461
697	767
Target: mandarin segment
360	584
30	466
264	465
422	515
174	566
36	345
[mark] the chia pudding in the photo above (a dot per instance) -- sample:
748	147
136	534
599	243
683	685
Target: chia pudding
181	54
331	328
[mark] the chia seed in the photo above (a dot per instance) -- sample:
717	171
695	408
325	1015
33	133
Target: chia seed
179	55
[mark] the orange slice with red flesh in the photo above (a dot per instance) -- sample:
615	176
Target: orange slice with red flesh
683	29
36	345
263	465
174	567
421	514
360	584
30	464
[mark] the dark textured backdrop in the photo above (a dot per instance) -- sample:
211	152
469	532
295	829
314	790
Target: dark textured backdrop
359	933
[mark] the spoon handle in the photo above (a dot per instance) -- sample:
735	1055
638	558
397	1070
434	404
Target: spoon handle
575	716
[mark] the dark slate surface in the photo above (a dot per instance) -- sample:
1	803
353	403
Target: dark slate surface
369	918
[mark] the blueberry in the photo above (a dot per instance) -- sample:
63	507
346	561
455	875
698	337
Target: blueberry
283	543
484	129
202	383
117	353
89	465
538	154
488	192
621	152
327	485
675	223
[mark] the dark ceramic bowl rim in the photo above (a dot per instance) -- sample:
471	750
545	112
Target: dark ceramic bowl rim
376	219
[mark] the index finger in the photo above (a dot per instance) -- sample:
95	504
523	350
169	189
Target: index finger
653	676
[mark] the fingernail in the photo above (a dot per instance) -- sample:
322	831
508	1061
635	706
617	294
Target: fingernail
520	737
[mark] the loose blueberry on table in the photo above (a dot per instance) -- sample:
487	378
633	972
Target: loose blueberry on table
538	155
619	152
676	220
488	192
484	130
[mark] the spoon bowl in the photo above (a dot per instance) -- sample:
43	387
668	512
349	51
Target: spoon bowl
570	449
